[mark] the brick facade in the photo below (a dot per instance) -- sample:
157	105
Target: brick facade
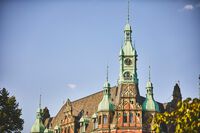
127	117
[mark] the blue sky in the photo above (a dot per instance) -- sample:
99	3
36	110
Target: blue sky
61	48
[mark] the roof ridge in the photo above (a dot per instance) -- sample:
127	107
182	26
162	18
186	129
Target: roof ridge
90	95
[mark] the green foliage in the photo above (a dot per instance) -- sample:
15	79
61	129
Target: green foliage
10	120
186	118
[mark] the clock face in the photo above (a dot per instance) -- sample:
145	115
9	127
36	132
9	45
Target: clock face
127	76
128	61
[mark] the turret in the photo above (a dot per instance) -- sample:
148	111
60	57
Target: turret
105	104
150	104
84	121
38	126
105	108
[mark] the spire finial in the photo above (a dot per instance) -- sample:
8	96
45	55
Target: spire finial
40	101
149	73
107	73
128	11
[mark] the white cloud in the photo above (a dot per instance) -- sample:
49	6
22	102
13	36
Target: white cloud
188	7
71	86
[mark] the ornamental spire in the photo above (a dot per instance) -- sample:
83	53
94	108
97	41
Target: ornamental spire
150	104
40	101
107	73
149	73
128	11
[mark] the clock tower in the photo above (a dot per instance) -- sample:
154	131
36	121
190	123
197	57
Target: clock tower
128	59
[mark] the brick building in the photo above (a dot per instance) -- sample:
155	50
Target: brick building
117	109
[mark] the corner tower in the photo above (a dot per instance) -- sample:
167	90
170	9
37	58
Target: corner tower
150	104
105	110
38	126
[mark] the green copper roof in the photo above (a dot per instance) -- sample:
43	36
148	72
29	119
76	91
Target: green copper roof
149	84
105	104
150	104
38	126
128	49
127	27
106	84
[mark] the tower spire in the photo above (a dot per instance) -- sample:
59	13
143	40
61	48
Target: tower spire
107	73
40	101
128	11
149	73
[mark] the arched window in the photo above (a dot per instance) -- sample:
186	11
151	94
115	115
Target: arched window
105	119
131	117
99	120
124	117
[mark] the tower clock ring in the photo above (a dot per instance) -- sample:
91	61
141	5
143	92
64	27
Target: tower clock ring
127	75
128	61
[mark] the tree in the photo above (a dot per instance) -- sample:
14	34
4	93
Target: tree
10	120
185	118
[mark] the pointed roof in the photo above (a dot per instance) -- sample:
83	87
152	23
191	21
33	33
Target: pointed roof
149	84
128	26
127	47
150	104
38	126
105	104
